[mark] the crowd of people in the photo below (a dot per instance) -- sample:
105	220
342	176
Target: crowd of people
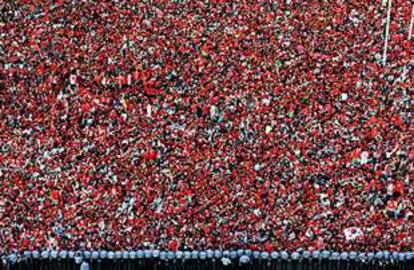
195	125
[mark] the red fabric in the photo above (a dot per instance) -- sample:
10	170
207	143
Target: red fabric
173	245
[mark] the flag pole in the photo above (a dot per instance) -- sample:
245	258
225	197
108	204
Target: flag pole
410	29
387	33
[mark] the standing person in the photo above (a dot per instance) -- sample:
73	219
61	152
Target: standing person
244	262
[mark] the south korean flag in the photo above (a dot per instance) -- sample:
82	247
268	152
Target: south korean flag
352	233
